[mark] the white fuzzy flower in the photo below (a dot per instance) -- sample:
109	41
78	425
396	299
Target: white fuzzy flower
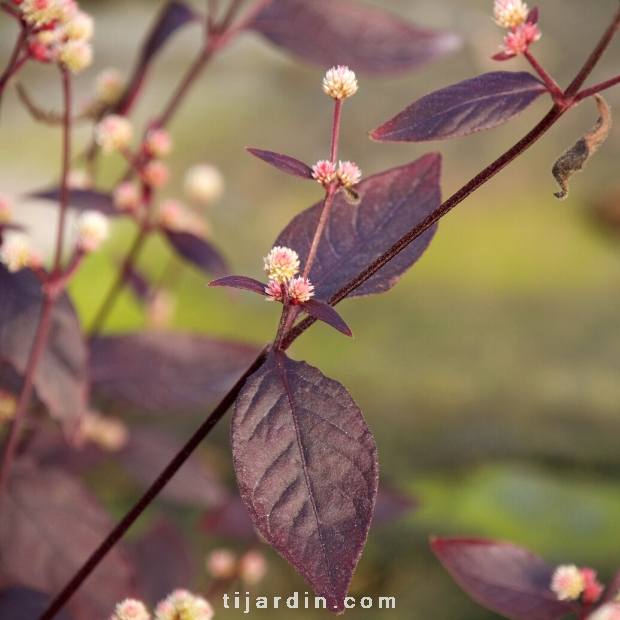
203	184
183	605
16	254
339	82
76	54
567	582
130	609
109	86
114	133
281	264
92	230
509	13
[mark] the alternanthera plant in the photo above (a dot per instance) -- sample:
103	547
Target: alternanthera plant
305	459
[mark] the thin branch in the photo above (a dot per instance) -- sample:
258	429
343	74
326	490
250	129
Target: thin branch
14	64
552	85
597	88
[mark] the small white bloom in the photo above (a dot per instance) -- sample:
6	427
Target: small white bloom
109	86
183	605
80	26
114	133
16	254
76	54
567	582
339	83
509	13
607	611
203	184
281	264
92	229
130	609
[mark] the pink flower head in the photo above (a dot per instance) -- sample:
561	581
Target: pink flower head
158	143
593	588
300	290
348	173
155	173
281	264
222	563
567	582
518	40
274	291
130	609
252	566
127	196
324	171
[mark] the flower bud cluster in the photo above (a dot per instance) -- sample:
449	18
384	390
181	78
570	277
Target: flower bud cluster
347	173
180	605
251	567
60	32
281	265
571	583
514	15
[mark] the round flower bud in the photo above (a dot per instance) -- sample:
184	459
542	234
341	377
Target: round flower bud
348	173
324	171
8	405
221	564
157	143
518	40
114	133
92	230
300	289
80	26
339	83
252	566
40	12
127	197
509	13
274	291
130	609
281	264
109	86
155	173
592	589
76	54
183	605
567	582
607	611
16	254
6	210
203	184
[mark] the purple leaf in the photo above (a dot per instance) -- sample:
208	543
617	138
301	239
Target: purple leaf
458	110
287	164
174	15
138	283
82	199
242	282
230	519
49	525
26	604
197	251
60	379
391	505
336	32
324	312
164	562
503	577
164	371
306	466
150	450
391	203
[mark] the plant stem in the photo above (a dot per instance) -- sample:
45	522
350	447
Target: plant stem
152	492
597	88
284	320
40	340
117	287
13	65
552	85
327	203
335	131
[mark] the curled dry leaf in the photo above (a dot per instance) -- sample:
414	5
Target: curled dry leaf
391	203
337	32
60	379
473	105
50	523
575	158
501	576
166	371
306	466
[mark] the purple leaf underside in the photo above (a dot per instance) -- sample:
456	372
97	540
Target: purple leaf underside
197	251
61	376
82	199
49	525
287	164
501	576
324	312
150	450
473	105
242	282
337	32
391	203
26	604
166	371
306	466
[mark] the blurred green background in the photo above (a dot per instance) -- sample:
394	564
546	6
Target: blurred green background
489	375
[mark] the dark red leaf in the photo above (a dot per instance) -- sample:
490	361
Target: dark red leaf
197	251
324	312
337	32
391	505
174	15
480	103
287	164
532	17
26	604
82	199
164	371
61	375
242	282
391	203
49	525
164	562
150	450
230	519
306	465
506	578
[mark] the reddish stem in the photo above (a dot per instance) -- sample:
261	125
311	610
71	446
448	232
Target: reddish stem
330	190
597	88
335	130
552	85
14	64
